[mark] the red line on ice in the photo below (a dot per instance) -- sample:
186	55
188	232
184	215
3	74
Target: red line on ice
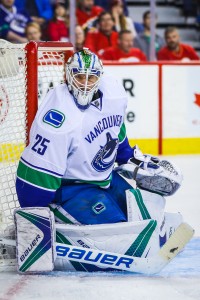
16	288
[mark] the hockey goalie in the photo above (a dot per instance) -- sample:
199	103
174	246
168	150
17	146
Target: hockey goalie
78	210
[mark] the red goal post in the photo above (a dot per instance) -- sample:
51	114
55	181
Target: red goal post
51	55
27	72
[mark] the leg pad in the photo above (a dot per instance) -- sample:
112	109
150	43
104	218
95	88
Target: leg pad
35	239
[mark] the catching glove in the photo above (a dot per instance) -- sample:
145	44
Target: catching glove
144	161
151	174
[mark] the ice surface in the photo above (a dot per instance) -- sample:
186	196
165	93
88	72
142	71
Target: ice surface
180	280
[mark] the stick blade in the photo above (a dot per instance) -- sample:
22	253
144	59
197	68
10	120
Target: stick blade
176	242
171	248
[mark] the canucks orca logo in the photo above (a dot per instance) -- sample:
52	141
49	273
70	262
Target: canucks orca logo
100	162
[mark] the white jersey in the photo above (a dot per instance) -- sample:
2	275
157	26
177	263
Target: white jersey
77	145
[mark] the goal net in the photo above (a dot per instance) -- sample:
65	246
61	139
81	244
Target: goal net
27	72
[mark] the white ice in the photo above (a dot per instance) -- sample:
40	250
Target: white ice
180	280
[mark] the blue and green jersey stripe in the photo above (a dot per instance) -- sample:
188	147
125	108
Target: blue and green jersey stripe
37	177
122	133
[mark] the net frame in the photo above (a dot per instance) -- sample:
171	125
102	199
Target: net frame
32	49
36	56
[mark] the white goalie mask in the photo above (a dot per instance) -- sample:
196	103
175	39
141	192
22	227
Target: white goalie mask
84	70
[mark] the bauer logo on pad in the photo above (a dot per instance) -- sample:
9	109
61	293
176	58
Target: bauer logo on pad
54	118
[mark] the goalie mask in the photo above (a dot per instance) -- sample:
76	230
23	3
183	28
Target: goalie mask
84	70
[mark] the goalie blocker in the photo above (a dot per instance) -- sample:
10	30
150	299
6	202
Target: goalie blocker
43	246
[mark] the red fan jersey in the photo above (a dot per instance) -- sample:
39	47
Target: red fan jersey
96	41
83	17
185	52
57	31
115	53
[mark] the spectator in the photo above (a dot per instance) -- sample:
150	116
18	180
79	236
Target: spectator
57	28
33	32
12	22
104	37
105	4
174	49
143	40
39	10
121	21
86	11
54	2
124	51
79	38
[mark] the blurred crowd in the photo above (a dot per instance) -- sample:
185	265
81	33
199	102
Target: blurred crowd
102	26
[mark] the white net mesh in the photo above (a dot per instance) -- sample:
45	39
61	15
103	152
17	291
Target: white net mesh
12	125
50	71
13	113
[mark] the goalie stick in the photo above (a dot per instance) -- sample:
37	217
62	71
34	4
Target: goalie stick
105	259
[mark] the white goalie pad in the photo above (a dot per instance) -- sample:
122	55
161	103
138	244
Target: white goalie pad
87	257
130	246
134	238
143	205
34	239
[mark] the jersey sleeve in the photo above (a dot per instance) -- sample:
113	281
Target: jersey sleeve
142	55
41	168
161	54
192	53
43	162
107	54
124	151
52	30
4	27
